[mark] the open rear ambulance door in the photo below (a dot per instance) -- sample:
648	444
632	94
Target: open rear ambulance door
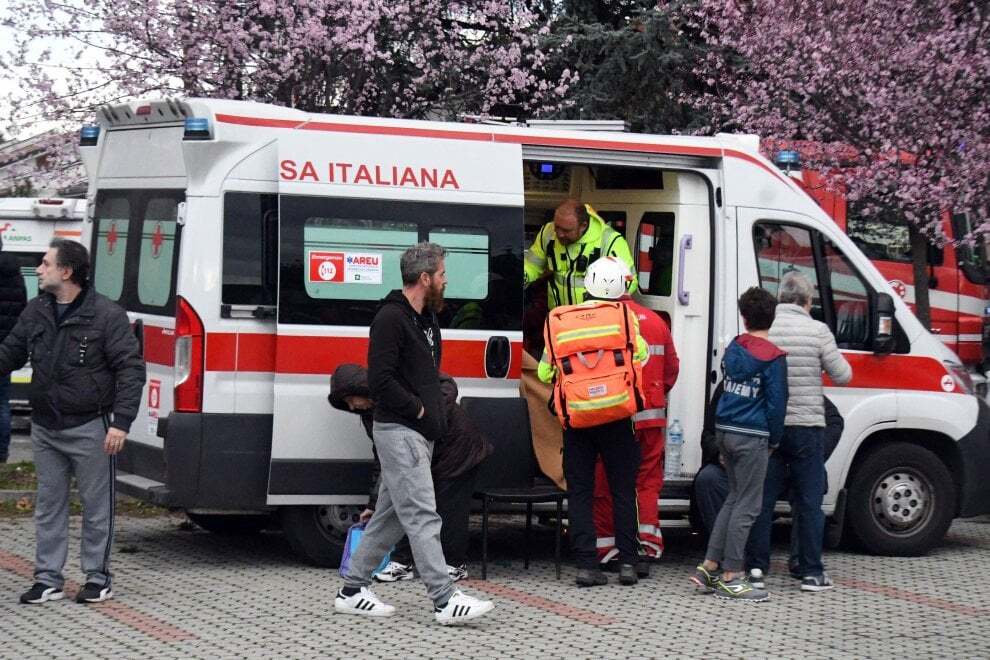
352	198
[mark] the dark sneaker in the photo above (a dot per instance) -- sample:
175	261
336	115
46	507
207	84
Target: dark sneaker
627	575
94	593
795	571
642	569
757	578
395	572
41	593
587	577
816	583
703	579
457	573
739	589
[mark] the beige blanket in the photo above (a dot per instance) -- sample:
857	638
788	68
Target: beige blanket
548	441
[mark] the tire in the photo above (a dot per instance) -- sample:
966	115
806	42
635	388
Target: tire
901	500
231	524
317	533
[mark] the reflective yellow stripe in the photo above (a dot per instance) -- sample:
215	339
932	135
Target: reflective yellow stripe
597	404
585	333
539	262
20	380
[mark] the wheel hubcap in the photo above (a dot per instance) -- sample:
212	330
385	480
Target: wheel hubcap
336	519
902	501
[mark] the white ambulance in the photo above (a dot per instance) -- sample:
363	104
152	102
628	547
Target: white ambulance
251	245
27	226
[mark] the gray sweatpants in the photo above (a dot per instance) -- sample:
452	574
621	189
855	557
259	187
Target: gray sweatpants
746	466
406	506
57	456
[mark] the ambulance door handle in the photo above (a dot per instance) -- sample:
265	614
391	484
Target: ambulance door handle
683	296
497	357
139	333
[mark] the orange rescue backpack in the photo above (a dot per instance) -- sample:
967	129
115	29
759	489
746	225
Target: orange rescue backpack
593	345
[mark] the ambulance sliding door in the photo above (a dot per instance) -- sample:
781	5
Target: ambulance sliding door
349	206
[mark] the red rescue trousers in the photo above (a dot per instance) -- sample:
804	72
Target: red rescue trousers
649	481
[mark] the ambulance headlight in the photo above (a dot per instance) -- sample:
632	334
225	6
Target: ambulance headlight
89	135
197	128
962	378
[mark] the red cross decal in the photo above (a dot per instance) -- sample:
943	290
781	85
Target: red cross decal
156	241
112	237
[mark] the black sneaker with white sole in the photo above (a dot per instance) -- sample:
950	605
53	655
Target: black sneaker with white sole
41	593
94	593
816	582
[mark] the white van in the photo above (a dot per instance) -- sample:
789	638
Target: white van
27	226
252	243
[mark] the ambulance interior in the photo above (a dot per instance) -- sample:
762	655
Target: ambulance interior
660	212
637	202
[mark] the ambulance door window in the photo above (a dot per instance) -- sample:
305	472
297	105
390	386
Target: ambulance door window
158	229
250	251
782	249
654	254
850	300
466	261
110	245
28	263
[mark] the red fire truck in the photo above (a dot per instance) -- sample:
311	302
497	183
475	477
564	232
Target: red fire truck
959	275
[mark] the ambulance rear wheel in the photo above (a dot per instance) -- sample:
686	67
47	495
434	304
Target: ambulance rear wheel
901	501
317	533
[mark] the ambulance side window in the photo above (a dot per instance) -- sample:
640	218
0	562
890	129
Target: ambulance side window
340	257
654	253
781	249
110	245
250	250
842	297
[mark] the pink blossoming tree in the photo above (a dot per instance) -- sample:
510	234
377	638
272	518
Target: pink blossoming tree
398	58
893	94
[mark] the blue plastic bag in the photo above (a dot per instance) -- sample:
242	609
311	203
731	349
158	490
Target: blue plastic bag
351	543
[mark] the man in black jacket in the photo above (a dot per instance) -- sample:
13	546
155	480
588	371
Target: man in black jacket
86	386
403	372
13	298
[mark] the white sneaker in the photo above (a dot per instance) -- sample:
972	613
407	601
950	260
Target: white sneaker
395	572
757	579
457	573
364	602
461	608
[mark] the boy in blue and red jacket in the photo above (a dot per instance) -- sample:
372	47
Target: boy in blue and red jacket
749	424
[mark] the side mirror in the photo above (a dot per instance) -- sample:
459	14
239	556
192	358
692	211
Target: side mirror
883	324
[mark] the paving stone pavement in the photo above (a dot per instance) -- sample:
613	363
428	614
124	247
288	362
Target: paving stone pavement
185	593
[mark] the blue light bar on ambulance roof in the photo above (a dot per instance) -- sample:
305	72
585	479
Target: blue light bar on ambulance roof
787	158
88	135
197	128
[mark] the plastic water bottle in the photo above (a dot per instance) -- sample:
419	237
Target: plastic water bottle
672	452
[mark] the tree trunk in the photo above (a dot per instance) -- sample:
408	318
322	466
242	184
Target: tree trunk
919	252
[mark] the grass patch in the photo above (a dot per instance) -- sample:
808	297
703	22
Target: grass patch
17	476
126	506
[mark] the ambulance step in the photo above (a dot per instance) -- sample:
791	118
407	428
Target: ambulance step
142	488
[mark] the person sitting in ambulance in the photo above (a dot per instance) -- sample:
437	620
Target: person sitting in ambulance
614	441
566	247
456	461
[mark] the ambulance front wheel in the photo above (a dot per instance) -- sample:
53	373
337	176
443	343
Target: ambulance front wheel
901	500
317	533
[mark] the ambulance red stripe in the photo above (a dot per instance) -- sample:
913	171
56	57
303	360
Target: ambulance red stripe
896	372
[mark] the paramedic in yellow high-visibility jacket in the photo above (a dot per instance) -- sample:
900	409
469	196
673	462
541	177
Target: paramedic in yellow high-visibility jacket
565	248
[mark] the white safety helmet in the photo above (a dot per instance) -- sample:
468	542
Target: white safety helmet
606	278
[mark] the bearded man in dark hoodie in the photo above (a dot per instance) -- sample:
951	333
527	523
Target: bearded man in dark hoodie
403	373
